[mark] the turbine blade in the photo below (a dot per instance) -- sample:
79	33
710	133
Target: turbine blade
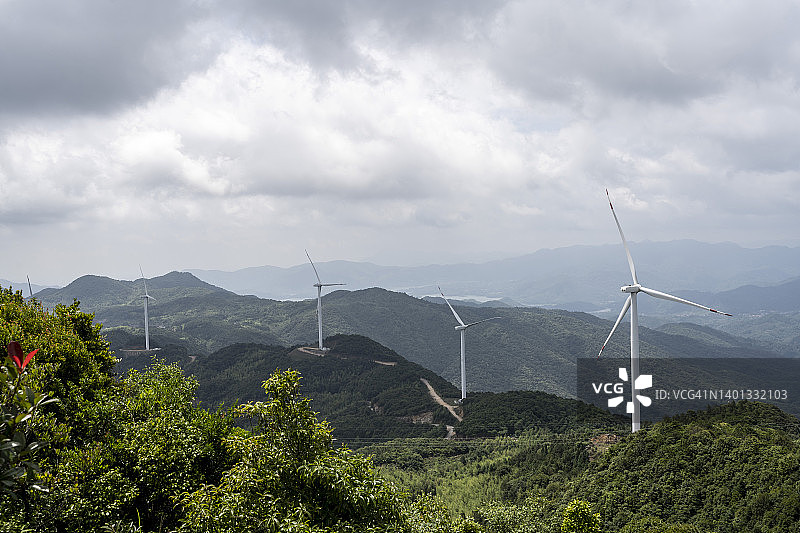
665	296
624	242
484	320
145	282
331	284
315	268
30	289
619	319
458	318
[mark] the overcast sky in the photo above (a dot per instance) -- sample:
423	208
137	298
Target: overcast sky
227	134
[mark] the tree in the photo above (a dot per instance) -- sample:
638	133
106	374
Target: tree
579	518
289	477
73	362
150	444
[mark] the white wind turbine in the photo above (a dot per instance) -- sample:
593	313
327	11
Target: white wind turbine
630	303
462	327
319	286
146	297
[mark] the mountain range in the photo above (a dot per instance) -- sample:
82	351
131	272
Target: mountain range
577	278
528	349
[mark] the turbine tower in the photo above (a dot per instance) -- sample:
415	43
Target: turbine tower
319	286
146	297
462	327
633	290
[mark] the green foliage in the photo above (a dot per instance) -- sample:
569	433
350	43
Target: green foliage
702	471
73	362
534	515
19	407
467	474
149	444
723	469
579	518
759	414
427	514
288	477
490	414
656	525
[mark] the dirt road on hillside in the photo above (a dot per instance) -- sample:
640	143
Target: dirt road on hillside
438	399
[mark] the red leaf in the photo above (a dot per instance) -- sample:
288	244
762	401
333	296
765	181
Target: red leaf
15	353
14	350
29	357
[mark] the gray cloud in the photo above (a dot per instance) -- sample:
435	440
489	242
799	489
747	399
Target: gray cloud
669	52
93	55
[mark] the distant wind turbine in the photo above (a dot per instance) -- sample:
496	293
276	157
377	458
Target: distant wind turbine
630	303
146	297
462	327
319	286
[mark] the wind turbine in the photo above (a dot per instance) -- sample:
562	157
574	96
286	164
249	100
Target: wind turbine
146	297
632	290
319	286
462	327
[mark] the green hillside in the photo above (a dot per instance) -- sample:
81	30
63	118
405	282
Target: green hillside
489	414
529	349
364	390
729	468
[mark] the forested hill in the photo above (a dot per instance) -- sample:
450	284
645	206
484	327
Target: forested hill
364	390
731	468
528	349
369	392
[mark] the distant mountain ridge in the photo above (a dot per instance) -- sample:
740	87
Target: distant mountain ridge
780	298
585	278
102	291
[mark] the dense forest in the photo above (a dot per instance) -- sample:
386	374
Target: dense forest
84	448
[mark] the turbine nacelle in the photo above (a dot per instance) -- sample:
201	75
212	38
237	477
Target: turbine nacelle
631	289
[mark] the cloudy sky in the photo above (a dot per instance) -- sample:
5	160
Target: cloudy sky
226	134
